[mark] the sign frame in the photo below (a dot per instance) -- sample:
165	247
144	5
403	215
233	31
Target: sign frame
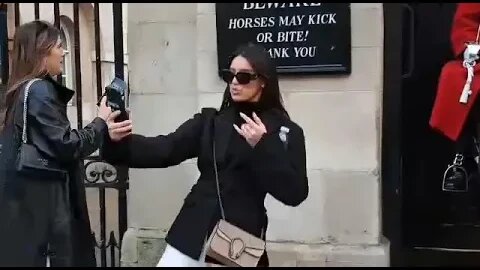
338	64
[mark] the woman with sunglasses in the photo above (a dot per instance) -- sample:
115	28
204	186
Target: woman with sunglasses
43	215
258	151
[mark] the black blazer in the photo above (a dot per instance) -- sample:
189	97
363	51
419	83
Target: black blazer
271	167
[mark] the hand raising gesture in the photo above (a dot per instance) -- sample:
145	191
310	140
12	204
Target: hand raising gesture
252	130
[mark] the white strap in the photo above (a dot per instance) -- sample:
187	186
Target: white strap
25	102
467	88
470	57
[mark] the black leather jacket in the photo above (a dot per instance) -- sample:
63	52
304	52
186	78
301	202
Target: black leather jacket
49	127
36	213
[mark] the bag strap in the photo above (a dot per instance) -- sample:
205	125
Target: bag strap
25	109
222	210
209	114
220	202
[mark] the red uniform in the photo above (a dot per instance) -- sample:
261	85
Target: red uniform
449	115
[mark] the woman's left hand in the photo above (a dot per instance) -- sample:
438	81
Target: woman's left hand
252	130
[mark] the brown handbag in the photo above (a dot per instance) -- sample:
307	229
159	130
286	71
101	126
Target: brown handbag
229	244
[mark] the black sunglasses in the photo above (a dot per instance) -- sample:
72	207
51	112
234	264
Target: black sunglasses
242	77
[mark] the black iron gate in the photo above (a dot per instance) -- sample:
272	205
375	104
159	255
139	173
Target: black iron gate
98	174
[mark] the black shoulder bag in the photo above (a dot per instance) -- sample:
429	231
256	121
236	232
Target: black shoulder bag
29	160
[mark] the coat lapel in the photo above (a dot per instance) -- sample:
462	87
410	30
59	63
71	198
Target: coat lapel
223	131
272	120
65	94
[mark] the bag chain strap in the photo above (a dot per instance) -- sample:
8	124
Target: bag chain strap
25	102
222	211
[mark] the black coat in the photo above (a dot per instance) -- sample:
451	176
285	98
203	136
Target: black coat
271	167
40	211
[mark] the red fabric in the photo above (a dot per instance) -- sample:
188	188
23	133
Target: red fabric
448	114
465	26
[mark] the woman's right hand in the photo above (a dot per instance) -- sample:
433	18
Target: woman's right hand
120	130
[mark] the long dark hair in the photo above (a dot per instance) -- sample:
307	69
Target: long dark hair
32	42
262	64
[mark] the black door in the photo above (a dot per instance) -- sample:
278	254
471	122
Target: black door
436	225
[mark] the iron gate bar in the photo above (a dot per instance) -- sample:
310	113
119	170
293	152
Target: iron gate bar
103	179
98	61
17	14
37	10
112	244
118	40
103	234
119	72
78	71
56	15
4	49
56	22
